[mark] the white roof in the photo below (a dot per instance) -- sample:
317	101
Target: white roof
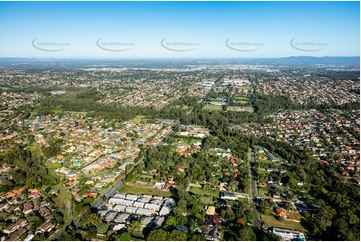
152	206
143	211
164	211
119	208
118	227
138	204
130	210
131	197
119	195
116	201
128	203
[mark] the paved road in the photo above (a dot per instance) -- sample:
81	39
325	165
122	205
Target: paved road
97	158
75	220
254	192
99	202
113	189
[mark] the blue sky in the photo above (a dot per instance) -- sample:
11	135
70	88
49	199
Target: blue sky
254	29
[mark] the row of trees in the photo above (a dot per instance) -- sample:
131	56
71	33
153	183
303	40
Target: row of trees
337	218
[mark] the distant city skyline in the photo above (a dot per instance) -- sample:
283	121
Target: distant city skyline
179	29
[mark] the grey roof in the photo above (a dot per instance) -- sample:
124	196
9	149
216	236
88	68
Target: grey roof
121	218
110	216
159	220
146	220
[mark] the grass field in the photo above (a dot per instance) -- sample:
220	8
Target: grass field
239	101
210	107
183	107
194	185
63	203
137	118
139	190
270	221
295	216
199	191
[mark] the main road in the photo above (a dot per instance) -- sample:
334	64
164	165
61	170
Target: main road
99	202
113	189
254	190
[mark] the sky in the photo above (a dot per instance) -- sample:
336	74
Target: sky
179	29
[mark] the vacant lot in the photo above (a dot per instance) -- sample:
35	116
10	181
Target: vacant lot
183	107
199	191
137	118
139	190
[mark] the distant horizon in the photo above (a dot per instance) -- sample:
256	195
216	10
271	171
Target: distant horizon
173	58
128	30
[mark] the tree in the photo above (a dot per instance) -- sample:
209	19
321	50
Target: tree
247	234
91	219
136	229
177	235
170	221
182	220
240	221
233	185
157	235
90	232
125	236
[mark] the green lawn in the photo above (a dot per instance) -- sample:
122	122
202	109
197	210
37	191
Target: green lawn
246	87
210	107
262	192
239	101
183	107
263	161
137	118
199	191
63	203
194	185
293	215
145	176
206	200
270	221
139	190
51	169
